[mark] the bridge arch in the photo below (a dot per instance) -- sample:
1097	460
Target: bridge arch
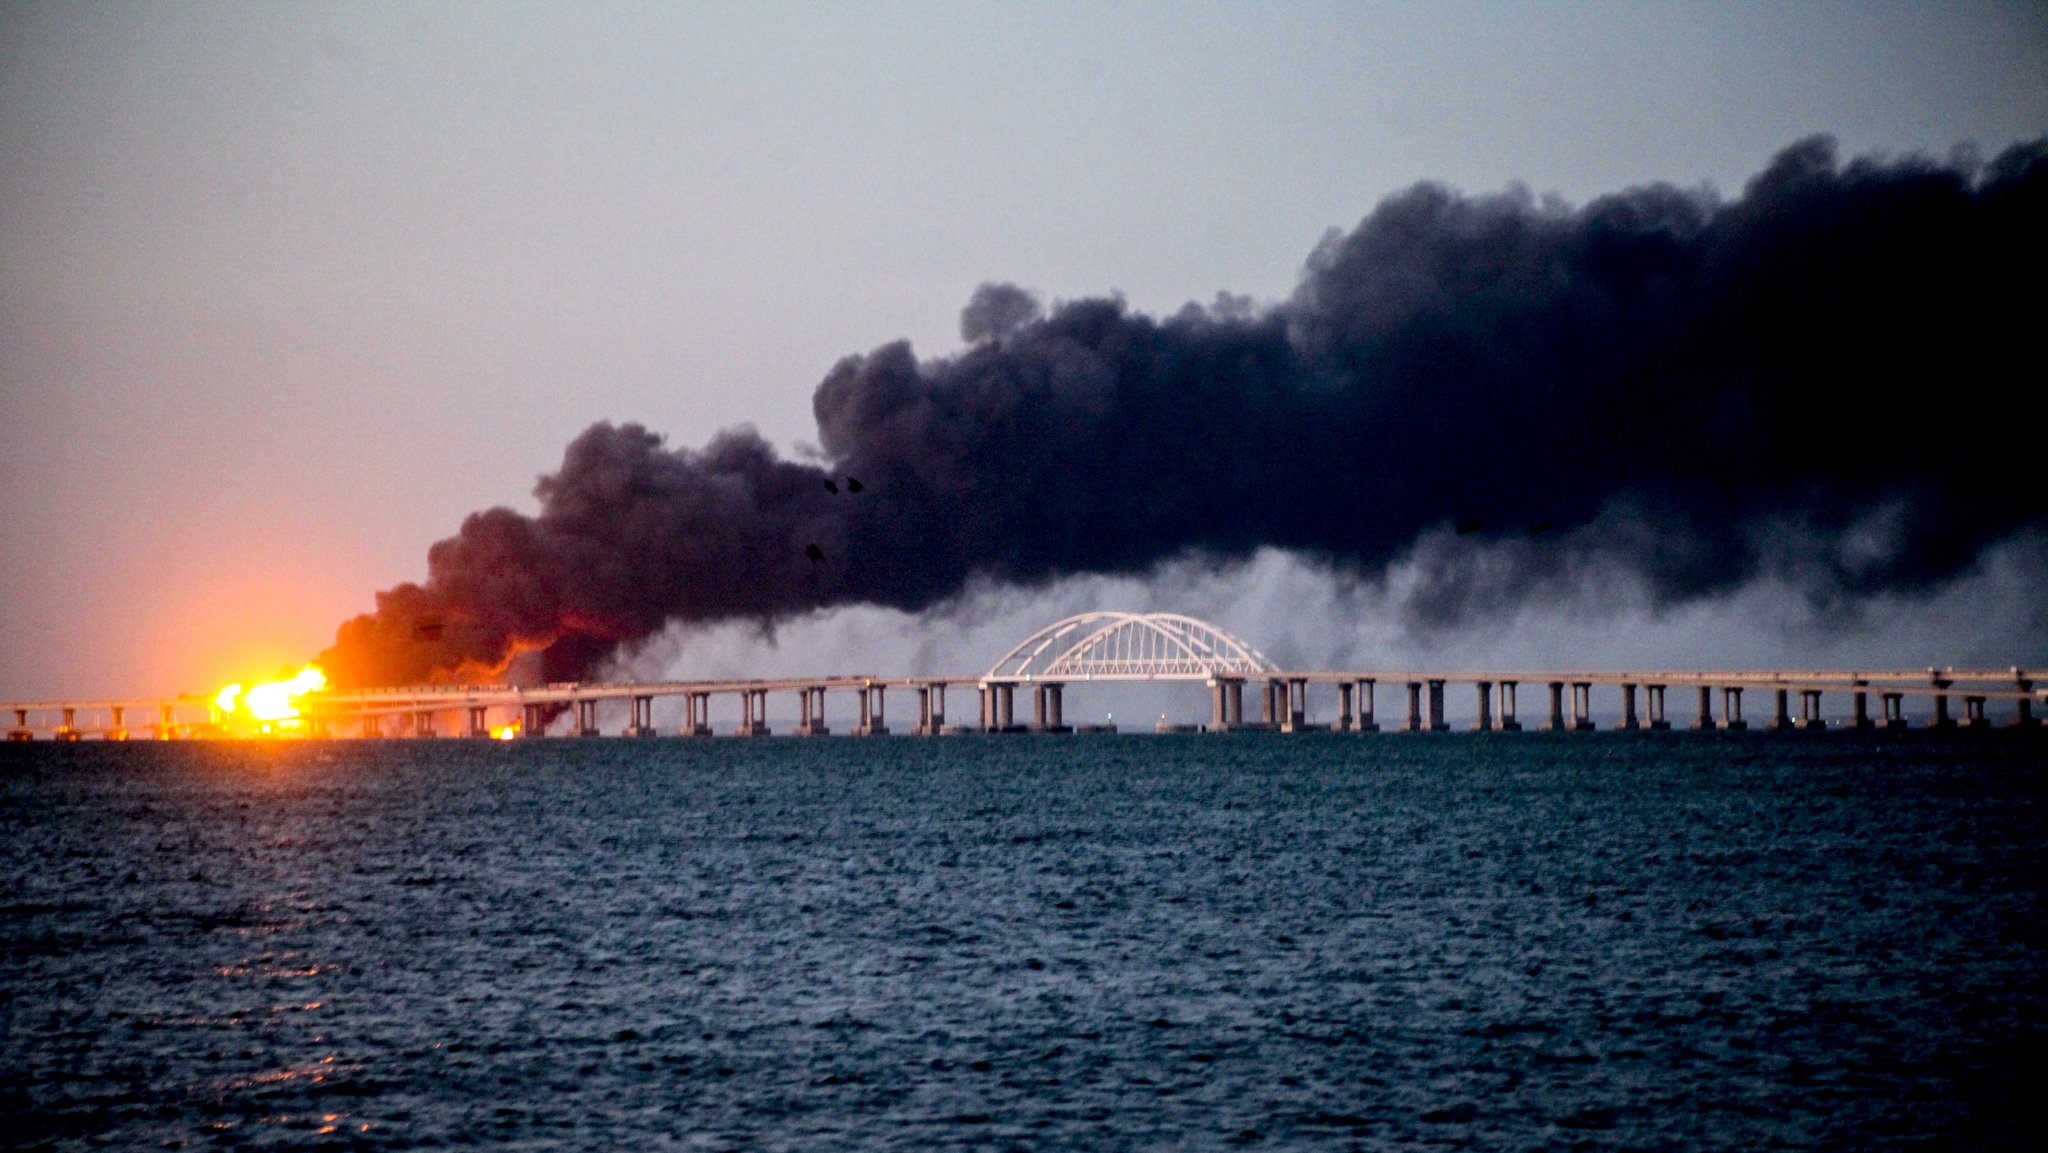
1119	646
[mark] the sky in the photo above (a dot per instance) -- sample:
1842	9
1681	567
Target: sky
287	290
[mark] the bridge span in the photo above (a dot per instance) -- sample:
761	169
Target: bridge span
1104	647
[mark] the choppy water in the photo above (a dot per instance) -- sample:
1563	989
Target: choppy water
1729	941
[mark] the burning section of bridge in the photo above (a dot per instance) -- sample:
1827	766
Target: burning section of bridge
269	708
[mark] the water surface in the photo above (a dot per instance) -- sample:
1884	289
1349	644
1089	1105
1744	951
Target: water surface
1701	941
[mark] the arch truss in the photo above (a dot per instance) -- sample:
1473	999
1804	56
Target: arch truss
1114	646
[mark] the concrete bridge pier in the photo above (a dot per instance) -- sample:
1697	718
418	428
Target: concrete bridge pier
372	726
532	722
1414	724
1809	710
1294	695
696	715
931	710
1658	721
1365	722
811	707
1941	718
477	722
753	713
1582	706
1859	717
423	725
586	719
1345	695
166	722
873	705
1485	721
68	730
1556	724
118	731
2023	710
1731	709
1508	723
1973	713
1437	724
1046	708
642	724
1628	708
1706	718
1782	717
1894	710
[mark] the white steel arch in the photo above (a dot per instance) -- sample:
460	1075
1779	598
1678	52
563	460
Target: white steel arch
1115	646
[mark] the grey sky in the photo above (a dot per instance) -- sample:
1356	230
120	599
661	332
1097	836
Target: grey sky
287	289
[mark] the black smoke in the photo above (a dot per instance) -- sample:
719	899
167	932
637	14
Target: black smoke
1834	379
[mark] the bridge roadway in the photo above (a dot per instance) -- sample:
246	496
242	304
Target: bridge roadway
1281	696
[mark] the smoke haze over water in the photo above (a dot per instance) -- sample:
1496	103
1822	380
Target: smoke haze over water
1830	382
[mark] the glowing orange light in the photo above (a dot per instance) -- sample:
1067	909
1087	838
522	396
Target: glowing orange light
271	703
505	732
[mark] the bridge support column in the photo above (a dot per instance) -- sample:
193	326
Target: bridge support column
68	730
1941	718
478	723
1296	696
1485	720
642	724
166	721
1809	710
1657	718
2023	709
1006	708
1048	709
1365	722
811	707
938	707
1782	718
373	725
1414	724
1859	717
118	731
1628	708
533	721
1894	705
1731	708
1973	712
586	719
1706	720
1437	724
423	725
1344	699
696	715
1582	706
1556	724
1508	723
874	721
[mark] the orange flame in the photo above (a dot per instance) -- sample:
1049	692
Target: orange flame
270	702
505	732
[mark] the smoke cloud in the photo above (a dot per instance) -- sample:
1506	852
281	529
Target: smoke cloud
1832	382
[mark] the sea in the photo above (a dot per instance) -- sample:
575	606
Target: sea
1697	941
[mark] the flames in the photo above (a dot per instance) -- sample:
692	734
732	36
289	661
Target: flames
506	732
270	705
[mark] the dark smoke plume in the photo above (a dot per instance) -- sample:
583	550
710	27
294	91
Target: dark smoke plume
1834	380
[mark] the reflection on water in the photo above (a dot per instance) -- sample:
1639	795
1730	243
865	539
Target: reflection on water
1701	941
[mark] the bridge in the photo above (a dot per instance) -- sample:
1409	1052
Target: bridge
1097	647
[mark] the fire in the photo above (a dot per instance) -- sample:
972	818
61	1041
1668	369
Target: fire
505	732
271	702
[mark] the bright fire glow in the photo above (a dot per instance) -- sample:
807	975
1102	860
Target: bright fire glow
271	702
505	732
